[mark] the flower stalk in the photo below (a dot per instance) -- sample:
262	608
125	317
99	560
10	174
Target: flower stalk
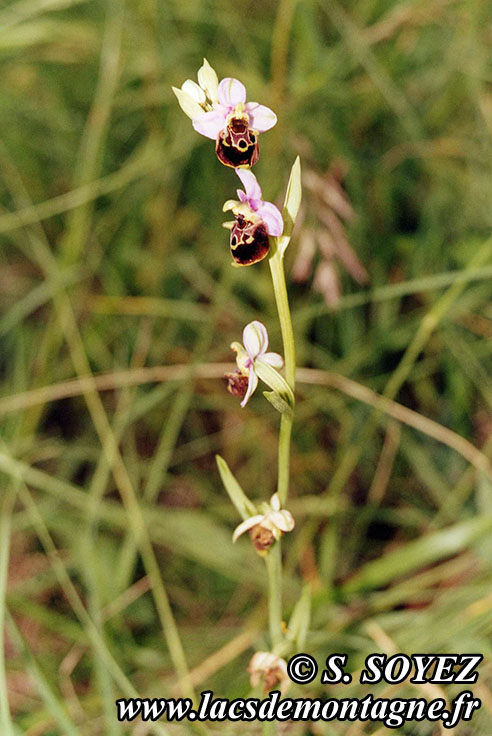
280	289
274	571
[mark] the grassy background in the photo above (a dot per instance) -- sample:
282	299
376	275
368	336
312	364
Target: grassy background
115	530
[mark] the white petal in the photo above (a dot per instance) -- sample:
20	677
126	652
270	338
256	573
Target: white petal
261	118
281	665
271	217
252	384
288	521
193	90
255	338
209	124
231	92
262	661
245	525
276	519
282	520
188	105
250	184
273	359
275	502
208	81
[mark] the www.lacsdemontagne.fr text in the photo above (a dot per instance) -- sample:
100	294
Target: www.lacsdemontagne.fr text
392	713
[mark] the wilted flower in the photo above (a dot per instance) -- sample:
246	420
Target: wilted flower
268	667
325	242
251	359
268	527
220	112
254	221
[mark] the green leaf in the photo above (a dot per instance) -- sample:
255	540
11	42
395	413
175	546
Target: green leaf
292	203
415	555
300	619
277	402
240	500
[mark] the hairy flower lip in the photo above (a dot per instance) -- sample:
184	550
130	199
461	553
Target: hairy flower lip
249	241
237	145
237	383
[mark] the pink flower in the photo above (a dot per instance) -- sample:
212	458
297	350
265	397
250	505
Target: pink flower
255	220
220	112
235	124
252	196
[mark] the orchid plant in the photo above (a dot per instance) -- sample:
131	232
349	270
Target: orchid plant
219	111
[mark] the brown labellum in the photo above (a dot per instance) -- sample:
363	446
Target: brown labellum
273	677
262	538
237	145
249	241
237	384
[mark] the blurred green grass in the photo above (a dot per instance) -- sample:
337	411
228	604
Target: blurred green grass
113	258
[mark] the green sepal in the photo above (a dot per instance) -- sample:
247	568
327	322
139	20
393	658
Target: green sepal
277	402
275	381
189	106
240	500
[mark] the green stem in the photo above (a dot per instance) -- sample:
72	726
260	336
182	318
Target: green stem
280	290
5	530
269	728
284	456
274	557
274	569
